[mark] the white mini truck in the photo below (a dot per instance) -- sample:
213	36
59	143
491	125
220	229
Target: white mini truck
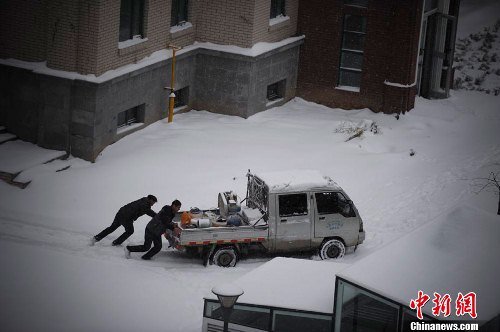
284	212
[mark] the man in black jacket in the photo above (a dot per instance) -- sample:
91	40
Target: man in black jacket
154	230
126	217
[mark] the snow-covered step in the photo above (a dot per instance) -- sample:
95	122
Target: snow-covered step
5	137
17	156
2	129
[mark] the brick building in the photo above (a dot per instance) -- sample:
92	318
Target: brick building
376	54
79	75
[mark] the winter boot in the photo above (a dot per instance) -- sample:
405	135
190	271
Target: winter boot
92	241
127	252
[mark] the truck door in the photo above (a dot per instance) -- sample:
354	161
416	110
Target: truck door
334	216
293	222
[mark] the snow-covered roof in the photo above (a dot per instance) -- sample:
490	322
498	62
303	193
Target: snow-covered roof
291	283
456	253
297	180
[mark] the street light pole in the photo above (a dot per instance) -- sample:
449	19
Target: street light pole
172	84
227	295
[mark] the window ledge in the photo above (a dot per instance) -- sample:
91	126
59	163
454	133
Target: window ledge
131	42
347	88
180	30
128	128
278	22
273	102
132	45
180	109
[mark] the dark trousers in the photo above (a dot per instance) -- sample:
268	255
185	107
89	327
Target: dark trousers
129	230
149	238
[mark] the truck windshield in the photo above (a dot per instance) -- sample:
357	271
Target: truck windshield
257	193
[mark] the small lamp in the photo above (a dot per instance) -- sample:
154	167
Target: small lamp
227	295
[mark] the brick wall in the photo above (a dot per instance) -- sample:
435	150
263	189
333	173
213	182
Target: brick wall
82	36
88	32
263	32
225	22
390	52
62	34
23	29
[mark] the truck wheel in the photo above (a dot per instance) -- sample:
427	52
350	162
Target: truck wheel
332	249
225	257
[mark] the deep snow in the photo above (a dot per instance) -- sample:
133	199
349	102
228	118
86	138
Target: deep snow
51	280
51	273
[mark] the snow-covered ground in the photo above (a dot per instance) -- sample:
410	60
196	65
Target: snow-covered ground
51	280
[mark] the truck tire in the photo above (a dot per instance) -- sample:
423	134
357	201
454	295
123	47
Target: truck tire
225	257
332	249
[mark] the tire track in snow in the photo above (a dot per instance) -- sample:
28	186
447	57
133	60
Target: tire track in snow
77	243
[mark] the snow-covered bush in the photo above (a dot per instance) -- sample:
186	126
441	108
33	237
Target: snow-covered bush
476	61
356	129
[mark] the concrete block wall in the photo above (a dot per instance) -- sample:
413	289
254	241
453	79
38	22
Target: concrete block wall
21	101
271	68
234	84
222	82
54	116
95	126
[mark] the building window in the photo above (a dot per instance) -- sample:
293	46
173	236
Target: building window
181	97
359	310
276	90
289	321
251	316
277	8
129	117
351	55
131	19
293	205
179	12
358	3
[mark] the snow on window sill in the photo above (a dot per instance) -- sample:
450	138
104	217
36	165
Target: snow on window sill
272	102
278	19
180	109
125	129
180	30
399	85
278	22
347	88
131	42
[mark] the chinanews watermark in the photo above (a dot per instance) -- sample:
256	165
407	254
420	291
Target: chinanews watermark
445	306
421	326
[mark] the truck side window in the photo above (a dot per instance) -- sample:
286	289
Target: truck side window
333	203
293	205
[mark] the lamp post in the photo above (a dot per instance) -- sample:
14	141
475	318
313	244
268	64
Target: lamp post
227	295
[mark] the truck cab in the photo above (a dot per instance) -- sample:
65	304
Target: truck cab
304	211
